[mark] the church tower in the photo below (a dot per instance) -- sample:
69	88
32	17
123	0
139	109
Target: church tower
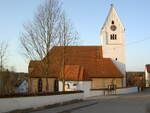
113	40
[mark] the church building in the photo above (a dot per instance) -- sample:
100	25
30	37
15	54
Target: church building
100	65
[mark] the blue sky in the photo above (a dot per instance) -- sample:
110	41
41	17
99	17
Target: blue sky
88	17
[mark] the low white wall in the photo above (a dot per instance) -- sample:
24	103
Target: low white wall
85	86
118	91
96	93
127	90
147	78
9	104
60	86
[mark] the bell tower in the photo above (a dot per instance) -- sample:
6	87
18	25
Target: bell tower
113	40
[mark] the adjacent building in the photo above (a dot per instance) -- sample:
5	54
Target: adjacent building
22	87
99	66
147	75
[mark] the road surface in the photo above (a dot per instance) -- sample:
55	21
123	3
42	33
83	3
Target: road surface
131	103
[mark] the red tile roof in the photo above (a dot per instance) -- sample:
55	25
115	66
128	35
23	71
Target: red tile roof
81	63
148	68
75	72
37	69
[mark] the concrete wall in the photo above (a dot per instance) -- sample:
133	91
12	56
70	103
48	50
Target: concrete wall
88	92
9	104
85	86
127	90
118	91
96	93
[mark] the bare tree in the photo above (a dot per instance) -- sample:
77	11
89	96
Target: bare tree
40	34
49	28
3	51
8	81
12	69
67	36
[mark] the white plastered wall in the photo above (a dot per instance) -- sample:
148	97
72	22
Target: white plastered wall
85	86
147	78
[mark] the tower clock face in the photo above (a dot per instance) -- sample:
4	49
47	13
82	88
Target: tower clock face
113	27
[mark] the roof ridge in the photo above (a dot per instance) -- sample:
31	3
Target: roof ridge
81	46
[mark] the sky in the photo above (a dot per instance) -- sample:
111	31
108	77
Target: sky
87	17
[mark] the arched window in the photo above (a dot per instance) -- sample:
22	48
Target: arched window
40	85
112	22
111	37
115	37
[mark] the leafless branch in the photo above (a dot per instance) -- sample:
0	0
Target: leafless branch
3	52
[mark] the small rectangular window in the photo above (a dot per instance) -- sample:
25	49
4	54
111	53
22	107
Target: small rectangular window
113	37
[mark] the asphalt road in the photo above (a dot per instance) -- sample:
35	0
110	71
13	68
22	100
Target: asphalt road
132	103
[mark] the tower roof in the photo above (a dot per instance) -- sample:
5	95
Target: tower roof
112	11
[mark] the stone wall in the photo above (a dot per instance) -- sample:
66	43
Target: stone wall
99	83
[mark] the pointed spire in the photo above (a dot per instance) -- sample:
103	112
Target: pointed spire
112	5
112	9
